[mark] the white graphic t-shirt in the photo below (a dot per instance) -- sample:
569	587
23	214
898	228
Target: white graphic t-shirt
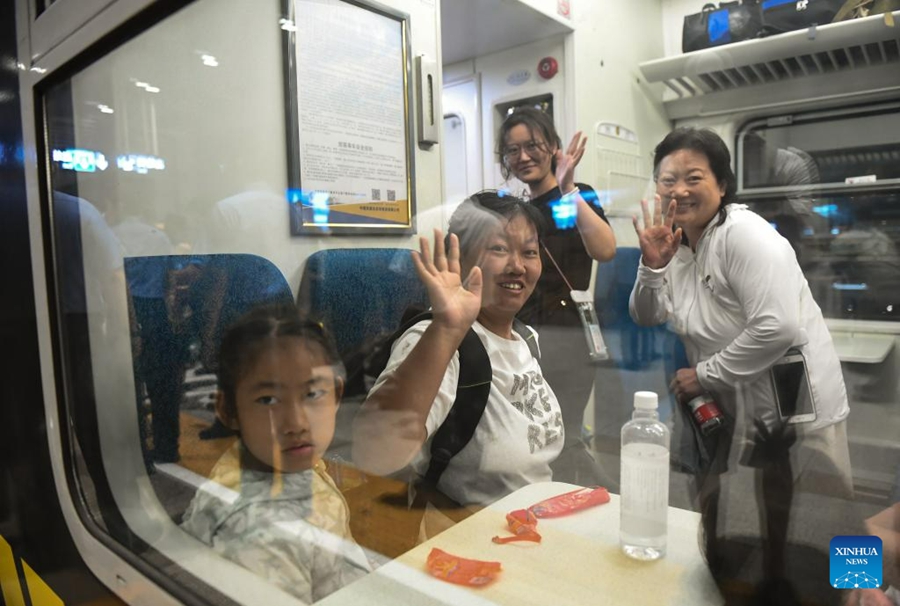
519	435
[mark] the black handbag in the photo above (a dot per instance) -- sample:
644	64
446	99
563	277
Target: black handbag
781	16
731	22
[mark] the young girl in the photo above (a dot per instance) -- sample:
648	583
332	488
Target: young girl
531	151
270	505
493	243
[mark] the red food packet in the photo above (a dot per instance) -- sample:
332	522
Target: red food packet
523	525
570	502
462	571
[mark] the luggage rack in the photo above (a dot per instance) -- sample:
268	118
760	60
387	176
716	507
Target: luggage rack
782	69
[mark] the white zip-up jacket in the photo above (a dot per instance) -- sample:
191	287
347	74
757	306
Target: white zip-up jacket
738	304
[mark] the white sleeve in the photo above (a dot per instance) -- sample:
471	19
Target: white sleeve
650	303
446	395
762	271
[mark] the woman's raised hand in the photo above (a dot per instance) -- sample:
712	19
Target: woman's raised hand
566	162
455	304
658	242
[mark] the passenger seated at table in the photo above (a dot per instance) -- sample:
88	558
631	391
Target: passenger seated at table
478	278
270	506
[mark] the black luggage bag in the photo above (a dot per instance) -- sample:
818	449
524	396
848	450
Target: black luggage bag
731	22
781	16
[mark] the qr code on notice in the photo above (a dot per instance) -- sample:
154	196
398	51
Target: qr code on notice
392	195
376	194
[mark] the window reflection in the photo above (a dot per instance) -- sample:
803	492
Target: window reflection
833	147
811	176
847	248
170	222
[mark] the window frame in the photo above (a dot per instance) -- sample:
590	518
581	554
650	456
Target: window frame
852	326
781	120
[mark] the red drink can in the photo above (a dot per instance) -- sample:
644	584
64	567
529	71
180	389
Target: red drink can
706	413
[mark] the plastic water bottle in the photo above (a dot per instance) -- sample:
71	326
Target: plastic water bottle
644	499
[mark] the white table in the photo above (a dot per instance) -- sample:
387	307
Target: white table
577	562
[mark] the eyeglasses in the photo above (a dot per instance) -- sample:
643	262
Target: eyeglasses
531	148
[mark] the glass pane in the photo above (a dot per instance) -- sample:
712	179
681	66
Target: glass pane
823	150
170	221
170	214
848	249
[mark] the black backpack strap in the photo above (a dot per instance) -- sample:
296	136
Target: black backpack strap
472	390
473	386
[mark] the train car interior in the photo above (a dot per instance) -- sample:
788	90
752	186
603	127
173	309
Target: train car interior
188	161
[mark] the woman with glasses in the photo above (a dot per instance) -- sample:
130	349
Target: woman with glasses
731	288
531	151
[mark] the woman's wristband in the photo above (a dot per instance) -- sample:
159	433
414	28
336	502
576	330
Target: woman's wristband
571	192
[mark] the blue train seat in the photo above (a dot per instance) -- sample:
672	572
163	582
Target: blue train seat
182	306
198	296
359	294
633	347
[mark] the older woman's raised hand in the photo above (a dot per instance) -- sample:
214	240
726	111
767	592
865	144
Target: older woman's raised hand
455	304
658	241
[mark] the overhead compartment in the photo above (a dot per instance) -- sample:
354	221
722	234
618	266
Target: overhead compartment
844	62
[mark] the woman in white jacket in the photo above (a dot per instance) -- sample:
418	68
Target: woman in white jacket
731	287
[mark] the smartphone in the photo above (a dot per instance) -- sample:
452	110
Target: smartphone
793	395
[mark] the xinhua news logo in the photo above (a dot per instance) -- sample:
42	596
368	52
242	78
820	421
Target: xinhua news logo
856	562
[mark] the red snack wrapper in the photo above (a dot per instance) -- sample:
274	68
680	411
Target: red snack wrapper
570	502
523	525
461	571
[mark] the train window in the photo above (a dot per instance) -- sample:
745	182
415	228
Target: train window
165	158
166	196
830	183
822	148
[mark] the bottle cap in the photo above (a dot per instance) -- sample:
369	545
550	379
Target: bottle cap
646	400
